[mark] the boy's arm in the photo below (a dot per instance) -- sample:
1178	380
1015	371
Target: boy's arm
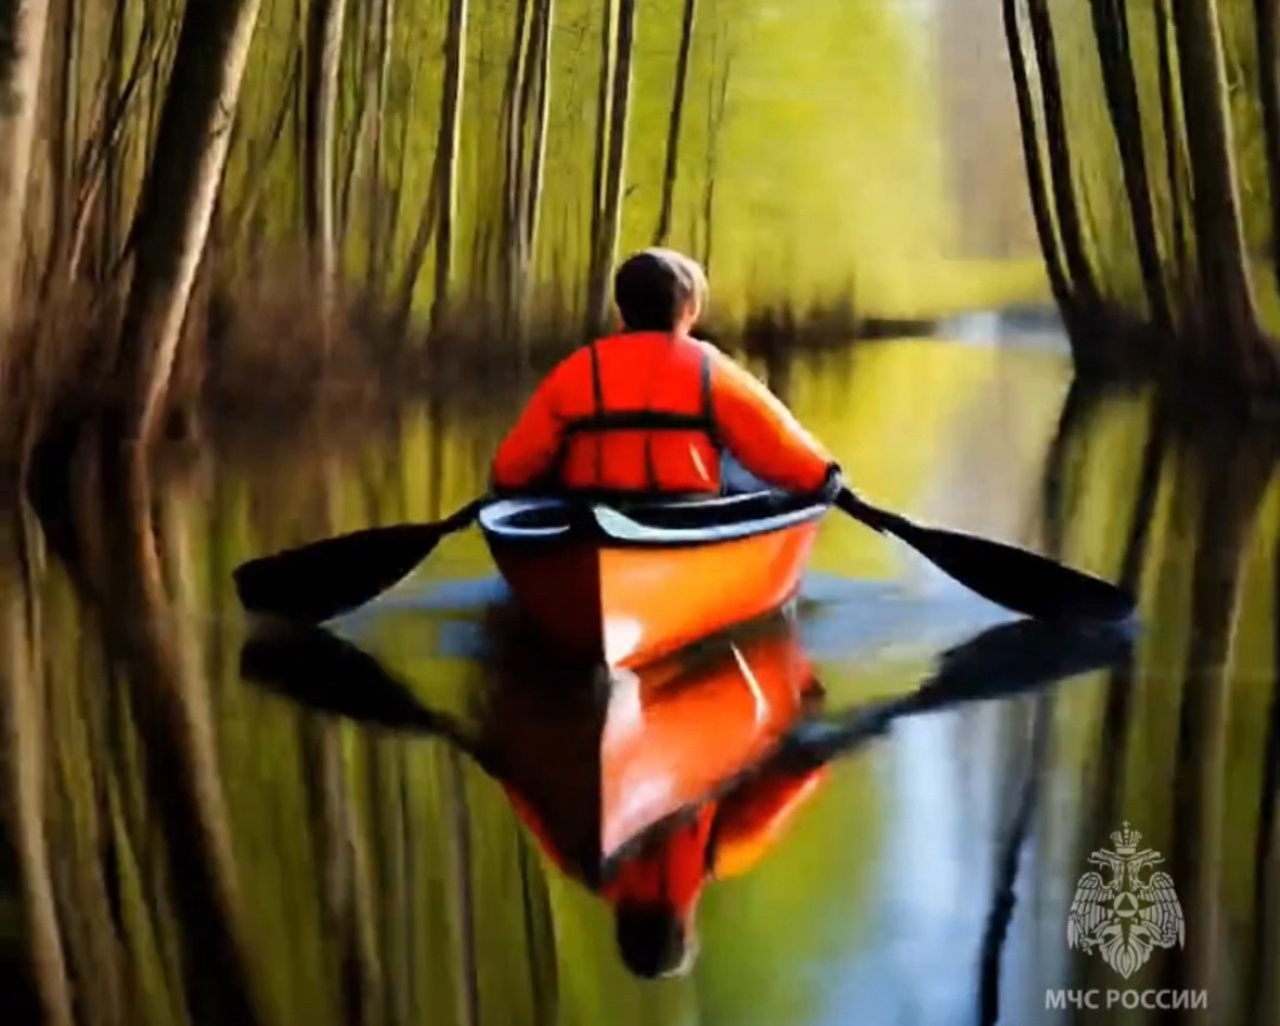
531	445
761	433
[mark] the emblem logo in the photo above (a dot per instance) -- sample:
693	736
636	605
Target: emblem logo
1126	917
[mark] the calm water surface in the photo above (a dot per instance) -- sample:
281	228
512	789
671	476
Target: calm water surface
334	840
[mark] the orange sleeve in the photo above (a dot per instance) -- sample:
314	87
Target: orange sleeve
760	432
532	443
752	820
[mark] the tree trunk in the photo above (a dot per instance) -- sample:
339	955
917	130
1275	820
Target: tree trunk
514	108
717	97
1041	206
619	113
447	149
1085	290
378	222
671	168
324	56
22	32
1224	272
544	24
596	275
1175	167
1267	27
1111	31
178	199
64	139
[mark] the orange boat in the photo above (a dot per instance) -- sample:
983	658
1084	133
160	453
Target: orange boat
628	584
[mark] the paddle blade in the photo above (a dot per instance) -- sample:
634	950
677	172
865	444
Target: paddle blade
1017	579
314	582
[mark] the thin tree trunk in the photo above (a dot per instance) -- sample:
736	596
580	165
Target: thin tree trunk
179	198
514	108
324	57
596	273
1224	271
1173	151
532	205
671	168
1071	234
1267	26
379	222
63	139
1111	31
22	32
1041	206
619	114
363	126
716	101
447	146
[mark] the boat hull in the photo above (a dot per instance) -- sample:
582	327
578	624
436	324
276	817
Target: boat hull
625	597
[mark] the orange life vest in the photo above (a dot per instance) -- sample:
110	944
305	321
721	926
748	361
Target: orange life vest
645	423
647	412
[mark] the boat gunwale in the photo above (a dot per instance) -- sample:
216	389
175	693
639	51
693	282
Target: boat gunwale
606	525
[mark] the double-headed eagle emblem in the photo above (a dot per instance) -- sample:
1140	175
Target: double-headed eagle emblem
1127	917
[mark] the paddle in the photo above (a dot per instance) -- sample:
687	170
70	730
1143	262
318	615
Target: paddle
314	582
1015	578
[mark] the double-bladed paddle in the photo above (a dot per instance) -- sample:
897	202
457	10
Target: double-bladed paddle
318	581
1009	576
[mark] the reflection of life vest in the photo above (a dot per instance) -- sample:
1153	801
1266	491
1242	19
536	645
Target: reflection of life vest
721	839
646	412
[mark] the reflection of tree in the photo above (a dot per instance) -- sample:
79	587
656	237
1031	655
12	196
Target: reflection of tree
1212	477
127	565
23	828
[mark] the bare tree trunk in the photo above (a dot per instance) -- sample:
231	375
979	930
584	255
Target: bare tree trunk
1041	206
179	197
22	32
514	108
1224	271
1111	31
596	275
447	148
379	221
1267	26
619	114
1084	285
324	56
717	99
671	169
63	138
544	23
1174	155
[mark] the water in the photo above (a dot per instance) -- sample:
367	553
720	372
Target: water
188	846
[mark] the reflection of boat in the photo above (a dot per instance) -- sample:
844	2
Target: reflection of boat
630	586
687	769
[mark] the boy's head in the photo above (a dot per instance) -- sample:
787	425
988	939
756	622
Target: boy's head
654	941
659	290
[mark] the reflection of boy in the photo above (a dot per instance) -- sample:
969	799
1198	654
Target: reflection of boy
654	890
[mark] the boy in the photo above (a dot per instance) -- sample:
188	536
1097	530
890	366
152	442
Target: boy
651	411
